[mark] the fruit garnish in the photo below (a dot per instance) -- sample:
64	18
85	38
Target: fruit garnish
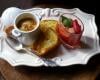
63	32
71	30
67	22
76	26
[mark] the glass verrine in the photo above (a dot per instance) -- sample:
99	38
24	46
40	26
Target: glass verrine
70	31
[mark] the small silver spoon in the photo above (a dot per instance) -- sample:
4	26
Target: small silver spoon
1	35
16	45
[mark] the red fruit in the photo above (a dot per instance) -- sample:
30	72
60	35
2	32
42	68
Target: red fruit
76	26
63	32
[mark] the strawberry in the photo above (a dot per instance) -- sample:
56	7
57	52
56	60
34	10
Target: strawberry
62	31
76	26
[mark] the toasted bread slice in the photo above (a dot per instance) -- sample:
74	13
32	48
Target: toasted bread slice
48	38
47	42
45	24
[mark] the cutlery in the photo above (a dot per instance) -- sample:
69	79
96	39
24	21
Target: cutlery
1	35
1	40
16	45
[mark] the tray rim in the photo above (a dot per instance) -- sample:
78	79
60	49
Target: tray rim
76	9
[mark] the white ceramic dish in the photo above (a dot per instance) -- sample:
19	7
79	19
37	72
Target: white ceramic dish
69	57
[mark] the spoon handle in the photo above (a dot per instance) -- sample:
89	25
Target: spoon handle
30	52
47	62
1	40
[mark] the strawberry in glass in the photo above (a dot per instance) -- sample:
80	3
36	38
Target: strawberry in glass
70	30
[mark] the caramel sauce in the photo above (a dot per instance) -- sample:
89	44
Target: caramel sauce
26	24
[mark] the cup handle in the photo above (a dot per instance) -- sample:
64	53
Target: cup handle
16	33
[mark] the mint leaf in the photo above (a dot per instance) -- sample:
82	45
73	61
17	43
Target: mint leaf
67	22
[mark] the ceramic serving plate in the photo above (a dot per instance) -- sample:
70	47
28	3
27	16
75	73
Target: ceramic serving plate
68	57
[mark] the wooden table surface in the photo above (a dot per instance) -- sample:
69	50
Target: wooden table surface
90	71
75	72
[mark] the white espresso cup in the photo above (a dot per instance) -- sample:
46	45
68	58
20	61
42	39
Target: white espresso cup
26	37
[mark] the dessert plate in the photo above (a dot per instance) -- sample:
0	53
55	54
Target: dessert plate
67	57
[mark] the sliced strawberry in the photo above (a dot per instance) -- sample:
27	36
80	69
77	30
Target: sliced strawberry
76	26
63	32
